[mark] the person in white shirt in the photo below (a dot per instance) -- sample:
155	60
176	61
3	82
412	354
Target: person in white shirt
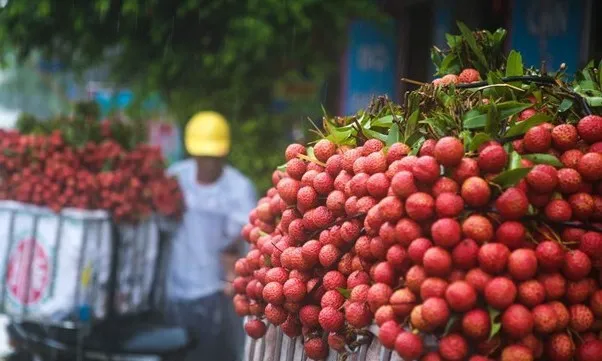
207	241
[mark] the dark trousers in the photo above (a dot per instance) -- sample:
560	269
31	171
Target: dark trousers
217	328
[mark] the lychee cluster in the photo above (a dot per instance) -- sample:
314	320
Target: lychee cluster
429	243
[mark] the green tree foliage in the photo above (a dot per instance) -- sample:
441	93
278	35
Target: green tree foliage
219	54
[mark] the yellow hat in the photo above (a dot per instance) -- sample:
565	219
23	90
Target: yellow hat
207	134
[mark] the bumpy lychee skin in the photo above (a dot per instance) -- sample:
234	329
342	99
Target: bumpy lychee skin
545	320
493	257
522	264
512	204
478	228
437	262
577	265
537	139
332	298
446	232
408	345
550	256
564	137
517	321
596	303
287	189
293	150
589	351
331	320
560	347
500	293
543	178
431	356
582	205
426	169
433	287
383	314
492	158
511	233
309	316
464	255
554	284
461	296
558	210
255	329
569	180
590	166
294	290
324	149
469	75
449	205
402	301
580	291
478	279
449	151
316	349
453	347
516	353
435	312
590	128
379	295
475	191
563	316
468	167
531	293
581	318
387	334
420	206
358	314
403	184
476	324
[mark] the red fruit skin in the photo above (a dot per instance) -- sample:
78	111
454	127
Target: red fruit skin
493	257
512	204
379	295
384	314
492	158
581	318
294	290
476	324
531	293
560	347
461	296
446	232
449	205
433	287
408	345
558	210
478	228
577	265
387	334
545	319
403	301
403	184
522	264
511	233
569	180
590	128
255	329
453	347
420	206
500	293
431	356
417	248
309	316
449	151
331	320
478	279
435	312
316	349
475	191
591	244
397	151
358	314
590	166
537	140
580	291
517	321
333	280
437	262
550	256
324	149
378	185
332	298
428	148
582	205
589	351
469	75
465	254
596	303
293	150
564	137
516	353
554	284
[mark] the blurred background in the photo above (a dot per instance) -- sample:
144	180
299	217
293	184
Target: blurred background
268	65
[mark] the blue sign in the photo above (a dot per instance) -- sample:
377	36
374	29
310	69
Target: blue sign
548	30
443	21
369	67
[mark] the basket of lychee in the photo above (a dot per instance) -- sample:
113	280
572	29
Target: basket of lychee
472	214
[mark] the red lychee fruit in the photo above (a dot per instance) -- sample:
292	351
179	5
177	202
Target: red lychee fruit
478	279
554	284
378	248
334	165
293	150
577	265
273	293
291	327
516	353
537	139
376	163
437	262
336	342
560	347
408	345
446	232
383	314
397	151
323	183
378	295
420	206
378	185
335	202
391	209
543	178
469	75
534	343
384	273
324	149
558	210
591	244
387	334
522	264
307	198
316	349
332	298
461	296
330	319
545	319
511	233
596	303
309	316
476	324
402	301
512	204
407	230
475	192
428	148
478	228
464	255
563	316
415	277
403	185
517	321
493	257
417	248
582	205
590	128
569	180
581	318
397	256
333	280
449	205
276	315
531	293
433	287
550	256
328	255
571	158
435	312
255	329
295	168
359	293
358	314
453	347
358	278
492	158
580	291
467	168
564	137
431	356
500	293
373	145
590	166
426	169
294	290
287	189
449	151
589	351
418	322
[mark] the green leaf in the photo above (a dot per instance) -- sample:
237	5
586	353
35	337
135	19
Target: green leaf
493	125
541	158
522	127
514	64
344	292
600	73
450	65
376	135
515	160
511	177
282	167
393	136
267	260
436	58
411	124
310	153
472	43
477	140
383	122
452	40
417	145
594	101
477	119
495	325
450	323
565	105
589	85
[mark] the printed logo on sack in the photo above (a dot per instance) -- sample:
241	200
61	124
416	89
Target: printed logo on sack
20	264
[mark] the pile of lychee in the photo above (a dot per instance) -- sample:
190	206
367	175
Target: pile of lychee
429	244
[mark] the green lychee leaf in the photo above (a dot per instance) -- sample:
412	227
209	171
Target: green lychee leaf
600	73
493	124
383	122
542	158
267	260
394	134
310	153
417	145
479	139
495	325
515	160
477	118
469	38
411	124
510	177
282	167
522	127
374	134
344	292
514	64
565	105
450	323
594	101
